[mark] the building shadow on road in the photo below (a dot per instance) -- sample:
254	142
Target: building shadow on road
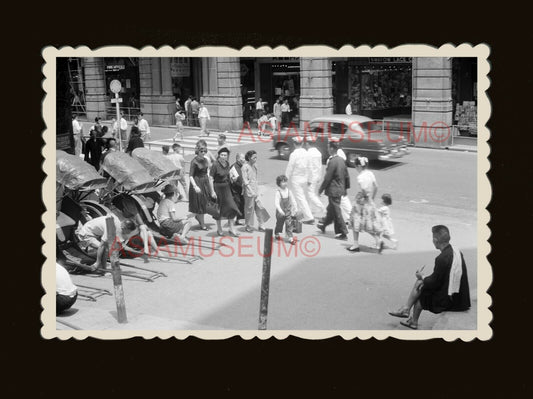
350	292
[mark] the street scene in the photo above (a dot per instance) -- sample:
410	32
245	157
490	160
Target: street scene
279	194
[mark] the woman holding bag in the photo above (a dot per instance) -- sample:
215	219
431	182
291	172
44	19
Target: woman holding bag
200	187
220	177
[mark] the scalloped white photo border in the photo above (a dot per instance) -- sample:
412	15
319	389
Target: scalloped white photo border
484	192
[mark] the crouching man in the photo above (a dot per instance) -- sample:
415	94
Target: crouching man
93	237
446	289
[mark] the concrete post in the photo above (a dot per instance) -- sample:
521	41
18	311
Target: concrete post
316	86
432	102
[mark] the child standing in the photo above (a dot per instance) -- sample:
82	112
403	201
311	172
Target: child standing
386	221
180	117
285	209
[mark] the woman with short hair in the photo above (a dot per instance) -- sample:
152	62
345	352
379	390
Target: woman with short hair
221	182
171	224
200	187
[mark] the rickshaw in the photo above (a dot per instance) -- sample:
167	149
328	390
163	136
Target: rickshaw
131	191
77	180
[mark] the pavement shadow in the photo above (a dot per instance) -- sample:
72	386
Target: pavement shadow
349	292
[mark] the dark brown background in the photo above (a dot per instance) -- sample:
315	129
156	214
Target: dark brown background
434	369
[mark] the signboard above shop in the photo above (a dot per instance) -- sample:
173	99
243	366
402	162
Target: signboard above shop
180	67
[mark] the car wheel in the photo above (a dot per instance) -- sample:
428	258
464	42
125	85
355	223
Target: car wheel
284	151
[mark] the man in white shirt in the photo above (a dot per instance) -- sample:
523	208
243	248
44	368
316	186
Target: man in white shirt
259	108
66	291
349	110
298	174
203	117
177	158
77	130
93	235
315	176
144	128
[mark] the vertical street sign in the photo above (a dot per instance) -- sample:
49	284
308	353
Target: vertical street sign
115	87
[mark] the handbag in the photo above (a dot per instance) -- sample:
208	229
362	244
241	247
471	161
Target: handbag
296	226
262	213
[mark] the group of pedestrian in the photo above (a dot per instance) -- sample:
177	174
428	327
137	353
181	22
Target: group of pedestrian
364	215
101	141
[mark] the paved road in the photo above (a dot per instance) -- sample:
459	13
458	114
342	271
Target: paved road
332	289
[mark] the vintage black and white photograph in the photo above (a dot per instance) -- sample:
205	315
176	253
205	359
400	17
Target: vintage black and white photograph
266	192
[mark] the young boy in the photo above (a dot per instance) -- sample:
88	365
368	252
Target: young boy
285	209
274	123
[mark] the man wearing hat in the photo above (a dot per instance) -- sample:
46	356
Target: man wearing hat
335	183
315	171
298	173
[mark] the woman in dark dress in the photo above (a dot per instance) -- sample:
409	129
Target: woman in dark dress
200	187
135	140
221	182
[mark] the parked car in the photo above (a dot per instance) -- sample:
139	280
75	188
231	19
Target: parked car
358	136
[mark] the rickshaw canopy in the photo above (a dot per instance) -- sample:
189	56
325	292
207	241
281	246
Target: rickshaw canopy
158	165
76	174
128	172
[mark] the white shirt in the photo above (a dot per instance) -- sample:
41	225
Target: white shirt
341	154
64	285
366	180
259	105
143	126
123	124
315	164
348	109
177	159
285	107
97	228
298	167
76	126
203	113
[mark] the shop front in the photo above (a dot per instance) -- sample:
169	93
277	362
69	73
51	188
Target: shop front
185	74
269	79
464	95
379	87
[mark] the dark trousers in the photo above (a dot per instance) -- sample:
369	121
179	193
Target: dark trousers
285	118
64	302
283	220
334	215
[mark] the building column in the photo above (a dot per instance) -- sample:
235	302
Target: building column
157	102
95	95
145	82
316	89
222	96
432	102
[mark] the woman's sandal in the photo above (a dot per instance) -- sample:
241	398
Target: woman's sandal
409	323
233	233
204	228
398	313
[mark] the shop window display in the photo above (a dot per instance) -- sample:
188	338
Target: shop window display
383	88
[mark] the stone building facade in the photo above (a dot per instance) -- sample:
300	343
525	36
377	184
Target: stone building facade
151	86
